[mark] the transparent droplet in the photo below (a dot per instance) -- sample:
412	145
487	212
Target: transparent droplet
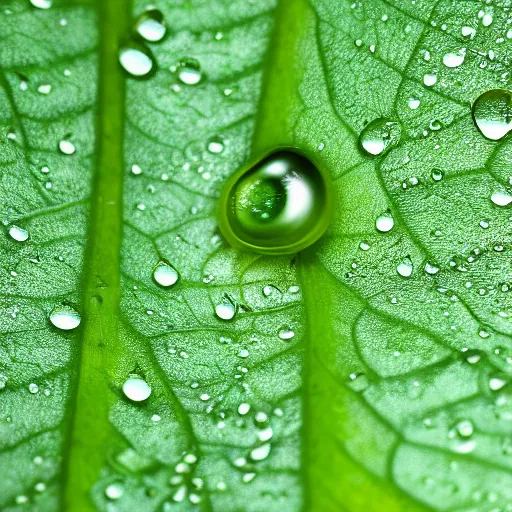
150	25
379	136
437	174
431	269
114	491
497	382
279	205
41	4
405	267
18	234
243	409
454	60
225	309
64	317
429	79
189	71
414	103
464	428
3	381
384	223
136	59
165	274
66	147
261	452
285	333
492	113
136	389
33	388
216	144
501	198
358	382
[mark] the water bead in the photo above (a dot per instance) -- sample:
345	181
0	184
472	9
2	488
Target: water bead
492	113
379	136
136	59
189	71
136	389
151	26
277	205
165	274
65	317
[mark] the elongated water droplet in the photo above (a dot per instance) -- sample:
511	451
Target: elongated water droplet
150	25
279	205
18	234
165	274
189	71
384	223
136	388
136	59
379	136
261	452
492	113
66	147
501	198
64	317
285	333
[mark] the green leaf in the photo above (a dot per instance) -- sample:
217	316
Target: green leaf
394	392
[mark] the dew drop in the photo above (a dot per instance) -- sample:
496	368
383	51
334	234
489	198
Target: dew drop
464	428
384	222
216	144
492	113
41	4
496	383
501	198
358	382
260	452
429	79
136	389
225	309
114	491
66	147
437	174
279	205
64	317
18	234
286	334
414	103
189	71
379	136
150	25
405	267
243	409
454	60
165	274
33	388
431	269
136	59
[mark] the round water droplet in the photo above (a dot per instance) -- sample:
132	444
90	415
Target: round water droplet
437	174
136	59
405	267
150	25
165	274
18	234
261	452
226	309
216	144
64	317
189	71
454	60
279	205
501	198
464	428
114	491
66	147
384	223
379	136
492	113
136	389
41	4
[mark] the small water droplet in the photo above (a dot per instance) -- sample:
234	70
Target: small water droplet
189	71
136	59
216	144
492	113
379	136
165	274
114	491
429	79
260	452
66	147
136	389
41	4
18	234
384	222
358	382
64	317
226	308
431	269
285	333
33	388
279	205
405	267
454	60
150	25
497	382
437	174
243	409
464	428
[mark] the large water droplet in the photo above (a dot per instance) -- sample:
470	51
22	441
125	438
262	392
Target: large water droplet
136	59
379	136
453	60
225	309
405	267
189	71
41	4
165	274
64	317
114	491
150	25
66	147
501	198
18	234
279	205
136	389
492	113
384	222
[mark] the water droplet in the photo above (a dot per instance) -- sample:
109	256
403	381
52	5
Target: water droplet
216	144
501	198
150	25
243	409
492	113
226	308
497	382
18	234
64	317
464	428
260	452
437	174
66	147
33	388
279	205
285	333
358	382
405	267
41	4
384	223
3	381
165	274
414	103
379	136
453	60
136	388
114	491
431	269
136	59
429	79
189	71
